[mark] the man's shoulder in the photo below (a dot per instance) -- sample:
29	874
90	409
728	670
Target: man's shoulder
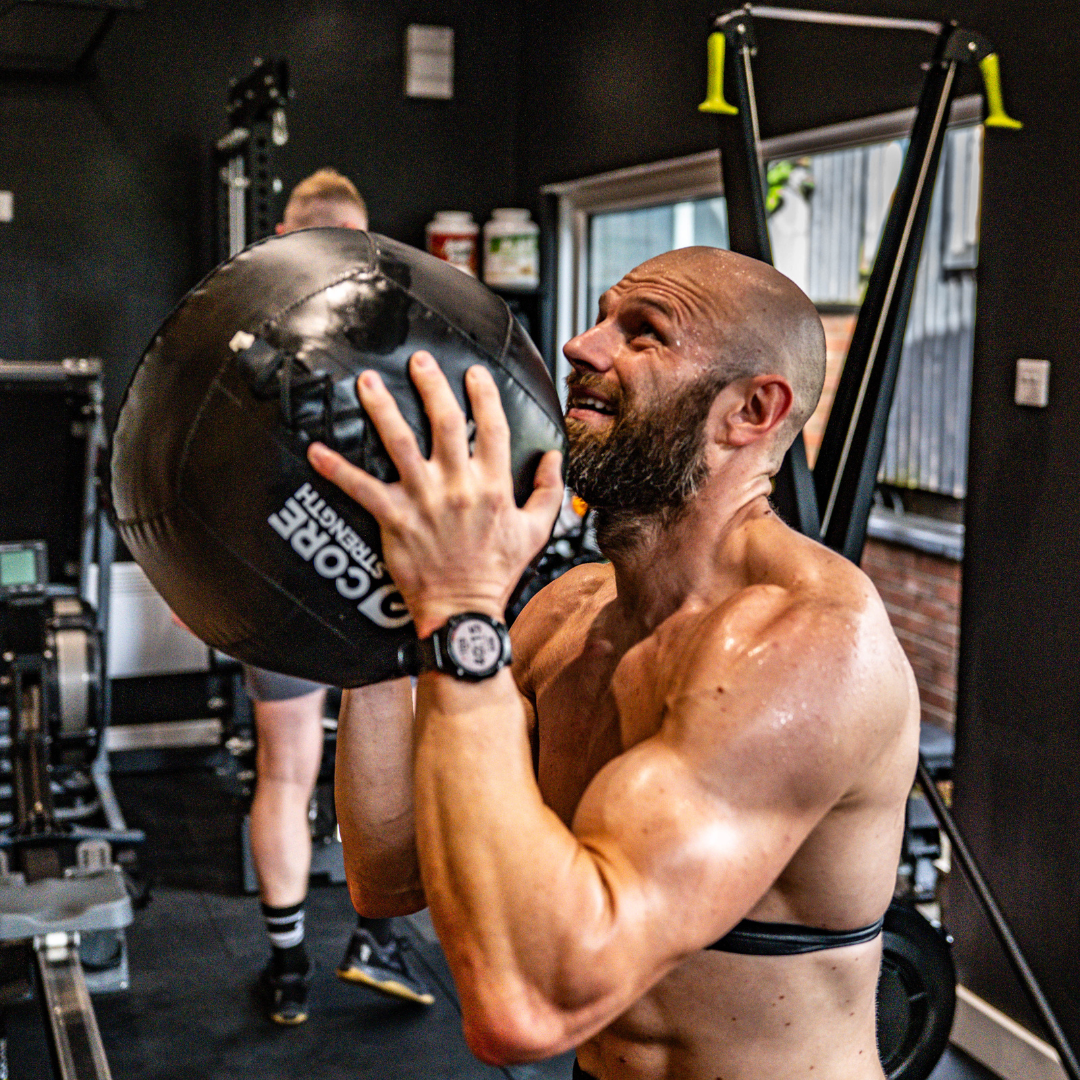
816	684
804	617
804	577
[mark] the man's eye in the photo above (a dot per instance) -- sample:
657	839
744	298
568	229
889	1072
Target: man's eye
647	330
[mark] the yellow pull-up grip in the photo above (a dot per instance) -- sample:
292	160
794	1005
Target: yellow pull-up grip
714	90
995	103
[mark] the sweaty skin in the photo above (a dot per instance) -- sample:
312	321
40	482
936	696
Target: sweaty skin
719	724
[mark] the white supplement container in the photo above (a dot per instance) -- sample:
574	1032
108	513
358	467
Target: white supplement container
451	236
512	250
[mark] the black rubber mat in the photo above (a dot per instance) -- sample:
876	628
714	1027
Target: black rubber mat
191	1010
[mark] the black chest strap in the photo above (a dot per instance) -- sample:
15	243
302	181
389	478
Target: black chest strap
752	938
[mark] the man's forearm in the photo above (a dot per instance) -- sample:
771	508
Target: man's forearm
519	904
374	796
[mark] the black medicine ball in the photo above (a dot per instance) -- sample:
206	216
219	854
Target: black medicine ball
256	553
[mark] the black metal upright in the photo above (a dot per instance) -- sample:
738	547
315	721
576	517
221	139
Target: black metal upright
250	196
748	233
740	144
847	465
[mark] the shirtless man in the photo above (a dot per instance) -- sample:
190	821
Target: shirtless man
667	836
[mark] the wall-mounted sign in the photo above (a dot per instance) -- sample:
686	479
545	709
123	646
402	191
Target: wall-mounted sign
429	61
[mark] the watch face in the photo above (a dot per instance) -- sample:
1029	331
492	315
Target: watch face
474	646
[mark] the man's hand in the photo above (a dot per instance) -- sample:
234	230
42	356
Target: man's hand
453	538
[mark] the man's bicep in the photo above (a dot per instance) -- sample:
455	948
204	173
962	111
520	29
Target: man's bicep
692	826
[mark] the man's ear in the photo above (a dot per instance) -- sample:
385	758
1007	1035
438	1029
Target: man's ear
763	406
279	228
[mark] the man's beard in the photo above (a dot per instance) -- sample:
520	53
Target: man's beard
648	465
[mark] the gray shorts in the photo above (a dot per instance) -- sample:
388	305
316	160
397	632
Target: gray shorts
269	686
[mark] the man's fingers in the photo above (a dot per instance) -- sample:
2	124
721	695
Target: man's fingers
396	435
373	495
492	430
449	443
546	499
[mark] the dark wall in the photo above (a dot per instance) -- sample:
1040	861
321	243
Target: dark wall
1018	754
613	84
616	83
114	180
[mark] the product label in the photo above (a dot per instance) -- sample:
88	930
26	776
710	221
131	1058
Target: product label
512	260
457	249
319	535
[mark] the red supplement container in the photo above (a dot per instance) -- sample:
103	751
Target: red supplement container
451	236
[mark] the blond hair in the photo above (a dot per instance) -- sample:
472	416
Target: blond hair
323	197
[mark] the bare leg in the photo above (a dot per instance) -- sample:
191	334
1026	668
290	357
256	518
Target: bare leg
290	740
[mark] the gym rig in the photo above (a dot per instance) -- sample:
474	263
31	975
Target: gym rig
250	203
250	192
831	503
65	851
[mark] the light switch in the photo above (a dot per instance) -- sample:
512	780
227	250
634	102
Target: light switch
1033	383
7	206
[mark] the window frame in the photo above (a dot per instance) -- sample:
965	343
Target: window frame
696	176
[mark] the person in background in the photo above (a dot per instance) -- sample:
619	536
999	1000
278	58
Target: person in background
289	733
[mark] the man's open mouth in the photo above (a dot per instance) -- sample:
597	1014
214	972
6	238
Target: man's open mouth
581	402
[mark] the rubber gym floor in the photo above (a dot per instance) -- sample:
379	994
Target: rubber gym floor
196	950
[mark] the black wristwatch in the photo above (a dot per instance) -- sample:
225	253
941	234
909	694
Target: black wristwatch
470	646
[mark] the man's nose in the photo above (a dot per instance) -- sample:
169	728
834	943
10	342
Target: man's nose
592	350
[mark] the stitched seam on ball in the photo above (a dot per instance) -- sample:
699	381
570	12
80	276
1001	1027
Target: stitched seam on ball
496	360
196	423
160	514
355	272
216	384
182	458
509	330
239	558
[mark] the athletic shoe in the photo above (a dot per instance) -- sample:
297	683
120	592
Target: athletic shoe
285	995
382	967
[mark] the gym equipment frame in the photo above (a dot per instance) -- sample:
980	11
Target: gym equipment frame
832	503
250	192
60	888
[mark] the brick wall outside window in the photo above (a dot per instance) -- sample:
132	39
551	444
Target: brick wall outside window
921	592
922	596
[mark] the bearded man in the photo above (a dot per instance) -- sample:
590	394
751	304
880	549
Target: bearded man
668	834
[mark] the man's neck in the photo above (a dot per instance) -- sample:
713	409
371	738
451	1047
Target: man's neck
662	560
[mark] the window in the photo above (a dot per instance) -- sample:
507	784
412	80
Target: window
829	195
621	239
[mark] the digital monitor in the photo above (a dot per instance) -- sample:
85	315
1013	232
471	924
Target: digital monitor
22	567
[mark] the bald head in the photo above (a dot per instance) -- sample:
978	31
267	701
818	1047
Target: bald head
751	318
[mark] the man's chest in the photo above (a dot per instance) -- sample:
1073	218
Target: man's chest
595	707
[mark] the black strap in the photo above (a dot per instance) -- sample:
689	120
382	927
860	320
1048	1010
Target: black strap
580	1073
752	938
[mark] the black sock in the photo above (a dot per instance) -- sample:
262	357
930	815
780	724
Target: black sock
285	928
380	929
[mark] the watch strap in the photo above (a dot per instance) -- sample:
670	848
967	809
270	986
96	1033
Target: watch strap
429	653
